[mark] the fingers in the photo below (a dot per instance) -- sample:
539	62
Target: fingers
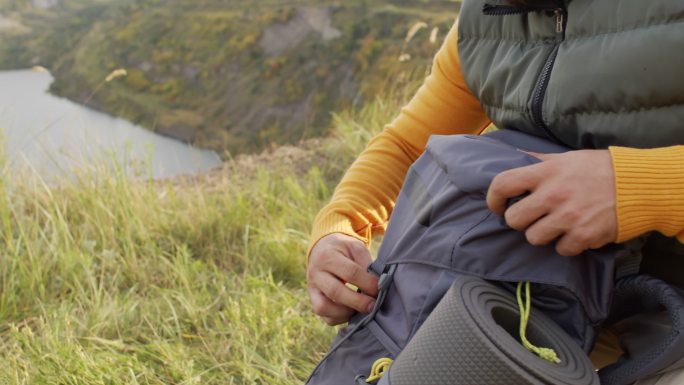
338	293
335	260
359	276
359	253
572	239
569	246
561	225
332	313
346	258
349	271
526	212
544	231
580	239
510	184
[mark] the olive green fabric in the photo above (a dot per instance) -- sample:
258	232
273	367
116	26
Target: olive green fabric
618	78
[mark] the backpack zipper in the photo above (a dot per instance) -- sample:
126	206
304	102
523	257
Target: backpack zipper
543	80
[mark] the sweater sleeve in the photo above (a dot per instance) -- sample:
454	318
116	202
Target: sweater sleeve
364	199
649	191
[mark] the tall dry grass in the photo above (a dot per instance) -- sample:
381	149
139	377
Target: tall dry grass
104	280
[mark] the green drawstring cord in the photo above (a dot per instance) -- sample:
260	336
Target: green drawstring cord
380	367
545	353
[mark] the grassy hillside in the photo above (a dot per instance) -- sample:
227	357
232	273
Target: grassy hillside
190	281
225	74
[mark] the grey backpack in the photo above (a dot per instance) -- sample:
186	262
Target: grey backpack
442	234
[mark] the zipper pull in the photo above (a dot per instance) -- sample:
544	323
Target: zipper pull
559	20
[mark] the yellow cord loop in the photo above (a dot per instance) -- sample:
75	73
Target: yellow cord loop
545	353
379	368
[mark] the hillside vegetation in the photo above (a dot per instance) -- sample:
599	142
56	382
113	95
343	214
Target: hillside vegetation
189	281
224	74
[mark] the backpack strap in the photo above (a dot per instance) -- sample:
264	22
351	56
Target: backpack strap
629	263
648	316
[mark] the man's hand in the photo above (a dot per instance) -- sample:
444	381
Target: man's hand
571	199
335	260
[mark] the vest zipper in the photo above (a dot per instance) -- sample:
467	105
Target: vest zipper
544	77
503	10
542	84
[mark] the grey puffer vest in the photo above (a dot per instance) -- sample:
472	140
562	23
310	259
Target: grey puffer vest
585	74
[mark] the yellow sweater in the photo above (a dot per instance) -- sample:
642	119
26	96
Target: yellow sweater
649	183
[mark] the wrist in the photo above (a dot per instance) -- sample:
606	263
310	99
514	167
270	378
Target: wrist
335	223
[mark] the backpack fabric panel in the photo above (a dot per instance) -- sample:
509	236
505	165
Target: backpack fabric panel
441	229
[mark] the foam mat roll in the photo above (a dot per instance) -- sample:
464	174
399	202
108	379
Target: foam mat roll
472	338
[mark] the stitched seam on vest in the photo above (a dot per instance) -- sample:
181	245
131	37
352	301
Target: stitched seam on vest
624	29
511	109
548	41
625	111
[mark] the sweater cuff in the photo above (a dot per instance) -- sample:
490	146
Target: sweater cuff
332	223
649	186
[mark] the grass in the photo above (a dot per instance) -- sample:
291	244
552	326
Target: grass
194	281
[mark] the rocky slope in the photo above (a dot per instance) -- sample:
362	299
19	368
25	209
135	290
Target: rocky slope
224	74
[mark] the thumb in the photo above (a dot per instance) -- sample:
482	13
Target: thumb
359	253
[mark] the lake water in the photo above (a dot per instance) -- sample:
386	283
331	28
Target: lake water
54	136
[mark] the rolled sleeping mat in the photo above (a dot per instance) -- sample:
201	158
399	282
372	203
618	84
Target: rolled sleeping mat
472	337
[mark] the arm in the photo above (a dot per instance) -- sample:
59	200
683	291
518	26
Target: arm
364	199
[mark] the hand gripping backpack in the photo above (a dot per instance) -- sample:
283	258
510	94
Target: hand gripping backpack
449	269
